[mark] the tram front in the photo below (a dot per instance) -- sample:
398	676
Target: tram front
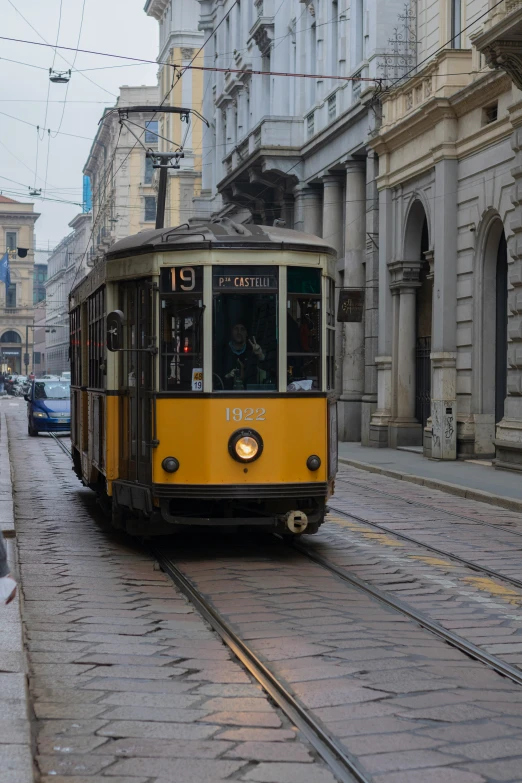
243	418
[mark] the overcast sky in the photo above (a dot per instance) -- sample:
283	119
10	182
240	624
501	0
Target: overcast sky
116	26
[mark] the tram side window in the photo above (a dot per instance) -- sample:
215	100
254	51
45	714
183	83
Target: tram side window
182	329
330	334
303	322
96	339
76	347
245	328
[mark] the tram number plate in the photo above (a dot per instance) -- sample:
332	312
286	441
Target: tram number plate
197	379
245	414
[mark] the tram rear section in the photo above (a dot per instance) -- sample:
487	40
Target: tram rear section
202	365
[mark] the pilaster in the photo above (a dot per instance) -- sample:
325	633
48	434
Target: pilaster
350	404
404	429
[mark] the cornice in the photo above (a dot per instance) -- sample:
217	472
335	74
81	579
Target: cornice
156	8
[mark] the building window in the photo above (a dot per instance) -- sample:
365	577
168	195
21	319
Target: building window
151	132
310	125
456	23
10	337
150	209
148	171
10	240
10	296
332	107
490	114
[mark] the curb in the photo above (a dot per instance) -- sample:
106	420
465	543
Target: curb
511	504
15	709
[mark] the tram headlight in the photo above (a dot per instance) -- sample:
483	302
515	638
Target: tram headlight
170	464
245	445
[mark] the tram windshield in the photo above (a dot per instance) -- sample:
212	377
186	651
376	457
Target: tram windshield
245	328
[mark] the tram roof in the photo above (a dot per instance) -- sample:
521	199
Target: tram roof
222	233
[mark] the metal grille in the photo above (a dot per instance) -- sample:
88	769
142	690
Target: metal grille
423	380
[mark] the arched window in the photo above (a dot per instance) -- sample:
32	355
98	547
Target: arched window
10	337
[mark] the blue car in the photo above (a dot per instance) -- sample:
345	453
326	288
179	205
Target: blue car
49	407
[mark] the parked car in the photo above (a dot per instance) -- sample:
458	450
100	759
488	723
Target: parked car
49	406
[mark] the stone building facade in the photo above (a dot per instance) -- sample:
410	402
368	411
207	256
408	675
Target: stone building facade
179	43
67	264
296	149
17	221
121	176
448	309
499	43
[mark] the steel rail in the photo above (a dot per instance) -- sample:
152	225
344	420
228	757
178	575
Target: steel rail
435	508
338	759
63	447
470	649
449	555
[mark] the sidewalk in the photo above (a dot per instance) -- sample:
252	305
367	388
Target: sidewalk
15	733
465	479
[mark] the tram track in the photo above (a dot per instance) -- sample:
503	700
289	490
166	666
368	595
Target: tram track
441	552
455	640
342	763
63	447
419	503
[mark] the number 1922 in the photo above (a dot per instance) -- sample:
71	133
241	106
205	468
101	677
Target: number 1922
248	414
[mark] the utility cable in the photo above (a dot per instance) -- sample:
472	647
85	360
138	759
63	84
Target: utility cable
46	43
72	67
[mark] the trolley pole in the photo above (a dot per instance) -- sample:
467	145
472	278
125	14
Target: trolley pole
162	198
163	161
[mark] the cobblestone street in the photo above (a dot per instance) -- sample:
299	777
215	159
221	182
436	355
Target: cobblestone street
127	682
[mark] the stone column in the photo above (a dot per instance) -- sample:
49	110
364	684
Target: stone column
333	212
354	277
444	335
333	234
404	428
371	310
378	435
308	210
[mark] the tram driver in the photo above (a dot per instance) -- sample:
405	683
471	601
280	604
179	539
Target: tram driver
243	358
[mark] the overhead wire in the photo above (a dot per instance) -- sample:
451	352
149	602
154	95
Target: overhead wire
46	43
47	104
73	65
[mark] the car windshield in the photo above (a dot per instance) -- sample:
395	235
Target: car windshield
51	390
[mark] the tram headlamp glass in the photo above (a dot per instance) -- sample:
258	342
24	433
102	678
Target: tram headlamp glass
245	445
247	448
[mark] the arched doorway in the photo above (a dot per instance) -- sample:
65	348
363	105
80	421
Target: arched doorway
424	314
10	352
501	328
411	286
490	344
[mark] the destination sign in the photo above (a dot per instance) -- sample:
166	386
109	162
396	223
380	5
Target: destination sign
182	280
245	282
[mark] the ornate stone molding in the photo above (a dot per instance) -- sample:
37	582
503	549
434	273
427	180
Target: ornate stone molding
507	56
404	274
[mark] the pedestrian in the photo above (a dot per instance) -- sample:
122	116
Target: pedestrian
7	583
2	381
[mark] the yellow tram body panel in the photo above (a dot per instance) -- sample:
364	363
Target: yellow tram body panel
196	432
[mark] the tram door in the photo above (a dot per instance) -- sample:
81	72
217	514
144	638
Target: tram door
136	382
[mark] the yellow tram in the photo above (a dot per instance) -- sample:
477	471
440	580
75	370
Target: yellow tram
202	364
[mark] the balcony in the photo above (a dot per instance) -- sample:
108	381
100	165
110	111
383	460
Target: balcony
445	75
500	40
